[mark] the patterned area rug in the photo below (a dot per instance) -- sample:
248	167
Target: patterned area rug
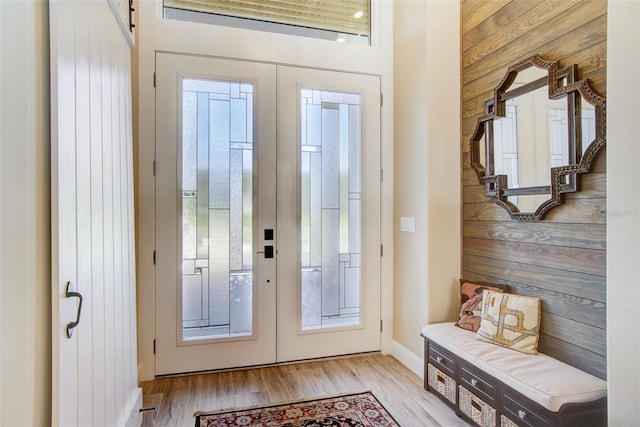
353	410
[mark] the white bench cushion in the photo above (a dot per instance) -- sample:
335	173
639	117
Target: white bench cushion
541	378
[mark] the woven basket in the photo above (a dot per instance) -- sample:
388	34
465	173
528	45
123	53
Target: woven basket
506	422
475	408
442	383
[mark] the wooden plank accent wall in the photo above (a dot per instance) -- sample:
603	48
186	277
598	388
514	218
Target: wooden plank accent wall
561	259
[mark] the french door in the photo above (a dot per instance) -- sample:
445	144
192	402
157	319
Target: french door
267	213
328	213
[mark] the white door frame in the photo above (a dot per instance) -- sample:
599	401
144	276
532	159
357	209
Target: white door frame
176	36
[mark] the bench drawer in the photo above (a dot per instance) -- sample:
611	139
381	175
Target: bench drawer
479	384
441	359
440	373
517	412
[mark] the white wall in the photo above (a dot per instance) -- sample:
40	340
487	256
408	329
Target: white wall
25	278
157	34
427	169
623	207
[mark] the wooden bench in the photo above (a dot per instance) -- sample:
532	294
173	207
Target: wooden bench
489	385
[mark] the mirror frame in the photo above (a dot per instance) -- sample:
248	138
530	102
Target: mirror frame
560	82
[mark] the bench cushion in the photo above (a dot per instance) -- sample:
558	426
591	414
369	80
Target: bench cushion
541	378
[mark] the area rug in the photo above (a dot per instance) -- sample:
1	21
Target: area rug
352	410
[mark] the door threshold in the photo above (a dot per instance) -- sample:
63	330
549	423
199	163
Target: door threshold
268	365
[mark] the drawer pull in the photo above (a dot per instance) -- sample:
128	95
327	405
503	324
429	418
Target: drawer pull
522	414
474	382
439	359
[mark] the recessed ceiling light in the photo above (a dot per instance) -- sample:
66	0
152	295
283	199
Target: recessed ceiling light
358	14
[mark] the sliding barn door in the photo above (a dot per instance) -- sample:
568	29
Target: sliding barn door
93	305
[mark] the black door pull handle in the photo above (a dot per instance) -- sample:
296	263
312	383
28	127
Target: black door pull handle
69	293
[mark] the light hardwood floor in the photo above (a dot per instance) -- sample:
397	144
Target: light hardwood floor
176	399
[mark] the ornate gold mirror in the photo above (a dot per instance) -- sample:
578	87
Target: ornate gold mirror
541	129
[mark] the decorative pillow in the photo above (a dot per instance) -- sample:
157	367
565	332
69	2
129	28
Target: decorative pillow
471	300
470	314
511	321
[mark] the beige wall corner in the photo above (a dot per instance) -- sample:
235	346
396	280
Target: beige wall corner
25	267
427	165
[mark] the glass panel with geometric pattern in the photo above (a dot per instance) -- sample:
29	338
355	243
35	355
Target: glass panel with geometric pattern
217	209
330	208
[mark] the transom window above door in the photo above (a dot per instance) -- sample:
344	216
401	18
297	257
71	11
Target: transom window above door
338	20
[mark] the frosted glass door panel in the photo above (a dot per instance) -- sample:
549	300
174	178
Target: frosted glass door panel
330	208
217	208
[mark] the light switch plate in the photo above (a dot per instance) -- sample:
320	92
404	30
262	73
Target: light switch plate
407	224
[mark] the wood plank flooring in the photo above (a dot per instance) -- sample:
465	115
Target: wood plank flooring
176	399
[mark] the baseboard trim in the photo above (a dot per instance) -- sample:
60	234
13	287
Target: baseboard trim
408	358
134	416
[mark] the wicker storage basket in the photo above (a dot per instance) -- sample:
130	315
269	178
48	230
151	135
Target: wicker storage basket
442	383
506	422
475	408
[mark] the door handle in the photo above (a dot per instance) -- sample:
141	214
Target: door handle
268	251
70	293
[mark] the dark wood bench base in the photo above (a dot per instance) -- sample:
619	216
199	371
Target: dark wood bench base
484	400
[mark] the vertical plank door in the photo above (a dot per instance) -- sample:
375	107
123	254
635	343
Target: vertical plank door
94	363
